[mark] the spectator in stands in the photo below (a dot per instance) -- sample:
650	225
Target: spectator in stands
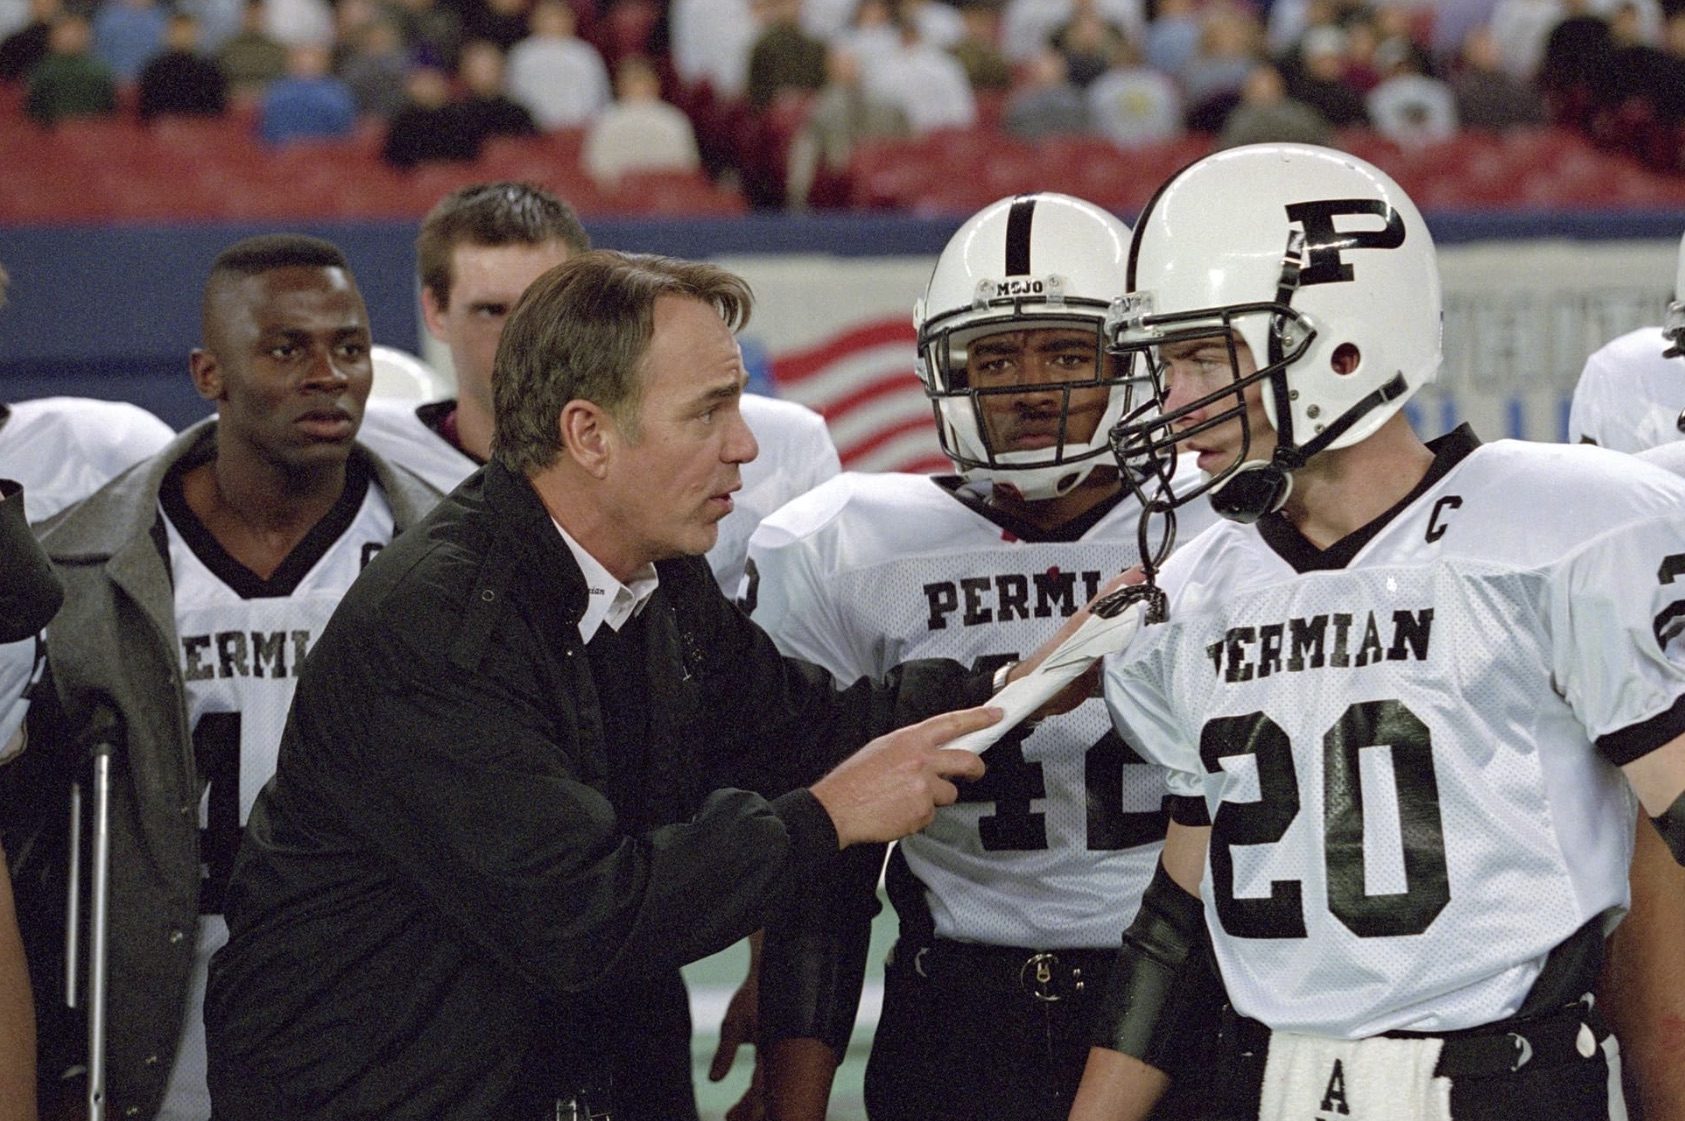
307	102
503	22
1524	27
432	29
128	34
1317	77
24	48
844	113
425	129
1643	76
181	80
925	81
1028	25
873	36
1575	68
783	56
1171	40
639	132
1230	42
711	41
485	110
940	24
558	76
978	50
1089	43
1046	102
1268	113
1410	105
253	58
1488	96
374	68
296	23
70	81
1133	104
219	21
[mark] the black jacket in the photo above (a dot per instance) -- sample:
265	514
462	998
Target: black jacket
436	886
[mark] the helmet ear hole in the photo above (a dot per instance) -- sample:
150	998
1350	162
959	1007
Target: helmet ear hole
1345	359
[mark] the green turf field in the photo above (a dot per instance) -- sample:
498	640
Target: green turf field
712	982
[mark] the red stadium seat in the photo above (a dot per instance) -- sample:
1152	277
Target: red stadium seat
675	193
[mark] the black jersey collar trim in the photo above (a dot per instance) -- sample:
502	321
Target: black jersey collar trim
1284	537
1074	530
243	581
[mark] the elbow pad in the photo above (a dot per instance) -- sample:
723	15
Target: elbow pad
1670	823
1164	1000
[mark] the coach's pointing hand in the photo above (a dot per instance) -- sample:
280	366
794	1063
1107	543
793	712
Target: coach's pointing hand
892	786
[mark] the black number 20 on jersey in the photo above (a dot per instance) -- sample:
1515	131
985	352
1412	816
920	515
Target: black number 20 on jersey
1265	821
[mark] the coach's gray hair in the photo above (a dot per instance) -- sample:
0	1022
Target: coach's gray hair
580	332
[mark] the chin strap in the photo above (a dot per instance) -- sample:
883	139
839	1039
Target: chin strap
1259	488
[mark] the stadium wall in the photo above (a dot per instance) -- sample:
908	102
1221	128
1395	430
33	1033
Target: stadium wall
112	311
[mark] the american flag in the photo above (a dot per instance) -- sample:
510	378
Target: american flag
861	380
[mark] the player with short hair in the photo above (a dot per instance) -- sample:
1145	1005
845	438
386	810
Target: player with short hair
1406	693
1011	902
479	249
1631	392
196	584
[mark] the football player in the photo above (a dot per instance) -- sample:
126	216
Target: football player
1010	904
478	250
1406	694
1631	393
195	586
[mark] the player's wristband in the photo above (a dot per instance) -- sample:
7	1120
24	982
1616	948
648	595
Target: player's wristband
1670	823
1164	1000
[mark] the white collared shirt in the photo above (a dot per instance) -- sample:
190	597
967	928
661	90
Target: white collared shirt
608	600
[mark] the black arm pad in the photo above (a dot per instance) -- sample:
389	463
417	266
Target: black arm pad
1164	1000
1670	823
813	953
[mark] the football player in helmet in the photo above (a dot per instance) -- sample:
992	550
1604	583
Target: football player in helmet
1010	903
1405	693
1631	393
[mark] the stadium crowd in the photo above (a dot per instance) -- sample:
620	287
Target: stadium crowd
772	98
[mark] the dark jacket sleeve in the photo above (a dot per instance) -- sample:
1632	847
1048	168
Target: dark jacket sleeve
781	722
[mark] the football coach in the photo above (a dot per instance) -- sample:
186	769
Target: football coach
537	762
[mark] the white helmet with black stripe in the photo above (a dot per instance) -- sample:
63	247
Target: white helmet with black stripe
1036	262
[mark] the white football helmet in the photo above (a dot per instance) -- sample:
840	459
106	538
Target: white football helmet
1033	261
1674	328
1316	260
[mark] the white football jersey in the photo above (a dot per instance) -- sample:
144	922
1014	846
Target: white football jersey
62	449
1053	847
241	642
1394	738
1669	457
395	431
796	455
1629	397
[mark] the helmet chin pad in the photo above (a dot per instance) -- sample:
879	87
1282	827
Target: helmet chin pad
1036	484
1253	489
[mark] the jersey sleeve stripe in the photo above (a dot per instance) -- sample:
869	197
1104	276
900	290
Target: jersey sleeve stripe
1186	810
1637	740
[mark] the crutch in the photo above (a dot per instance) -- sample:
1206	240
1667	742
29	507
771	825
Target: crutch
105	733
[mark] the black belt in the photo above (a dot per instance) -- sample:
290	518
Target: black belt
1044	975
1491	1049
